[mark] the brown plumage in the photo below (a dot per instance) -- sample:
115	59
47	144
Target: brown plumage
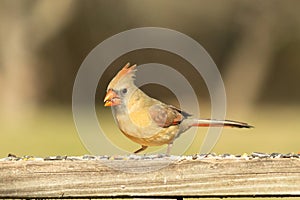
146	120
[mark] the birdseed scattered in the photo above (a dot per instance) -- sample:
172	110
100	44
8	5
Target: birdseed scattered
254	155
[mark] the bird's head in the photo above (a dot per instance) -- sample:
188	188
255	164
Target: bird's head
121	86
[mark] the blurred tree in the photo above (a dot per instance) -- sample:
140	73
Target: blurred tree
26	26
263	29
248	64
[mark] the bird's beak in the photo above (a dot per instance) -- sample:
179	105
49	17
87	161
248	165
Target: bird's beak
111	98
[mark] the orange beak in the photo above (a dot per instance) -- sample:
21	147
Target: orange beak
111	98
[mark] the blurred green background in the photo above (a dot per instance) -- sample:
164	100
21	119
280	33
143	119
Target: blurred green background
255	44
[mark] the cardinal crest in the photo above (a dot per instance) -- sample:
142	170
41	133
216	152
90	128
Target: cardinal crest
126	74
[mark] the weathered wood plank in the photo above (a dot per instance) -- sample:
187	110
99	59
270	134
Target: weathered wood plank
197	178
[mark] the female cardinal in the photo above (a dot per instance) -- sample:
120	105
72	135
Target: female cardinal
146	120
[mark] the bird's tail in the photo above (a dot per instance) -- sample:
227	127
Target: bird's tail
220	123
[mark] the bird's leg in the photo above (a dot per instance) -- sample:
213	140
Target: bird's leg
141	149
169	149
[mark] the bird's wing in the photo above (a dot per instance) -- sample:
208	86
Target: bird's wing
165	115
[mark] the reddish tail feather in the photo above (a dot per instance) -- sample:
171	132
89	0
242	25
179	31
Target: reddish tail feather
220	123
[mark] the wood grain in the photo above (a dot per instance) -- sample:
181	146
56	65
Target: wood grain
187	178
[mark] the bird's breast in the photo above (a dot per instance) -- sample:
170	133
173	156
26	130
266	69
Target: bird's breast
161	137
137	124
140	118
139	127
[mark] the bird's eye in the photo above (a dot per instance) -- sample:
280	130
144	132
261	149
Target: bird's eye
124	91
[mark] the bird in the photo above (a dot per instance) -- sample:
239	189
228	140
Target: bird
148	121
